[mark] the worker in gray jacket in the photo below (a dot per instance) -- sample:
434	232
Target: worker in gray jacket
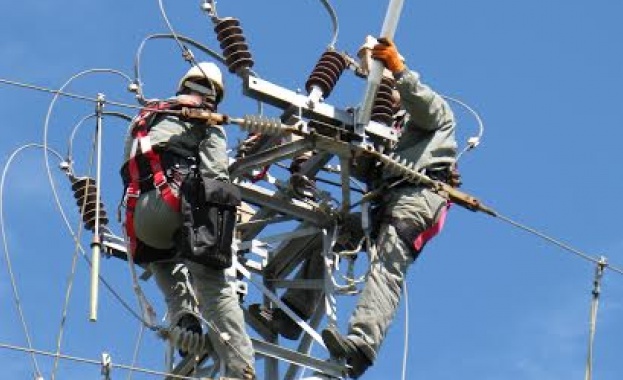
411	214
172	166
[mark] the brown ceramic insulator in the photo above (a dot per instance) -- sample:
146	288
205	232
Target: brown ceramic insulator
85	192
327	72
383	108
234	45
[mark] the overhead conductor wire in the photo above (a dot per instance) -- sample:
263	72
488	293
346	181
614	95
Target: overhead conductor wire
95	362
7	254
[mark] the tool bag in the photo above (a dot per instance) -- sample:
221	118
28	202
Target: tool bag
208	209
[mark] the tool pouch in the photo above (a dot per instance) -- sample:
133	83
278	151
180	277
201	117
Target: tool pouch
208	209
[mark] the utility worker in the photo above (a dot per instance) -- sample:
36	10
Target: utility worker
411	214
172	167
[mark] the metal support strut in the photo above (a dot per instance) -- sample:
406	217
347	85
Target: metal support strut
96	243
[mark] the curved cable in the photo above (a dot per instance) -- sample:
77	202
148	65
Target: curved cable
472	142
137	347
79	124
186	53
6	248
55	192
139	52
334	22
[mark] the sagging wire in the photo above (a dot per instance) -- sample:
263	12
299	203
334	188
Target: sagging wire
137	347
187	54
334	22
55	192
66	94
6	249
558	243
95	362
74	130
139	52
474	141
71	278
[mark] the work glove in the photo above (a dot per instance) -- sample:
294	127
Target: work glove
387	52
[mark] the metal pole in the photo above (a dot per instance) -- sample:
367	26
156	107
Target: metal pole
376	70
599	271
96	243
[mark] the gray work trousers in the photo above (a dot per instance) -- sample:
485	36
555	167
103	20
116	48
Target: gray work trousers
188	286
382	291
219	305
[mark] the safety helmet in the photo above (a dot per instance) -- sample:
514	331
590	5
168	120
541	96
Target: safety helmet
205	70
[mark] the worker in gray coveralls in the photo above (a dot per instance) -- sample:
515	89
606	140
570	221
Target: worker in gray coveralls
188	286
411	214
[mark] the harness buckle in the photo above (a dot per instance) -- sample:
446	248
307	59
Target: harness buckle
131	192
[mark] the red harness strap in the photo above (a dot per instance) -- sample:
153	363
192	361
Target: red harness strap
141	141
432	231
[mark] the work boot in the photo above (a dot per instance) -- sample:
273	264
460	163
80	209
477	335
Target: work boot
277	321
343	348
190	323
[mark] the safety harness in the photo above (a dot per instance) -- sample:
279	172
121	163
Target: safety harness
140	135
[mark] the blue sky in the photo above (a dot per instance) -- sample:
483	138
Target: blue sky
487	301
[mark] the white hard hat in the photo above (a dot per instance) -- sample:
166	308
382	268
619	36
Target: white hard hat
205	70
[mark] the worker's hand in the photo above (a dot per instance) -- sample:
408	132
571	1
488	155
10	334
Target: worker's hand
387	52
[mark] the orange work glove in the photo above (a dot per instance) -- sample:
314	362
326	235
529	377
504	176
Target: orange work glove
386	52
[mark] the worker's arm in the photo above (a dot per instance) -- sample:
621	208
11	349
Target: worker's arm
428	110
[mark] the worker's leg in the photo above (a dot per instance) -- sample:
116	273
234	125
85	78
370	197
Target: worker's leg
220	307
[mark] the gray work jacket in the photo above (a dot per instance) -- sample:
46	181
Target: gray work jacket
186	139
427	136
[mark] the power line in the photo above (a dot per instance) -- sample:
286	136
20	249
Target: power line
558	243
92	361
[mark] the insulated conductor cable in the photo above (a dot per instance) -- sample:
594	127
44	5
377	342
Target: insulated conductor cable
558	243
472	142
7	256
334	22
53	184
186	53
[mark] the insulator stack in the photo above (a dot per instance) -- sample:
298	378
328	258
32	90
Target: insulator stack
262	124
189	341
394	166
327	72
234	45
85	192
383	108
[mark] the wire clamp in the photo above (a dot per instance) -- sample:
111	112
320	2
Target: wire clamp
106	366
